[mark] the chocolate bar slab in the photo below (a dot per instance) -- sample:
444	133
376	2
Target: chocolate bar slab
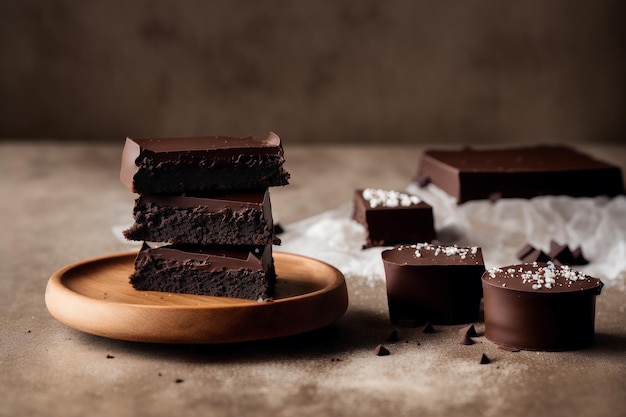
223	219
237	272
539	306
392	217
519	173
180	165
433	283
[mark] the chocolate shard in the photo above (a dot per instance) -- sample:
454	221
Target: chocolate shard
578	257
381	351
536	256
428	328
484	359
393	337
469	331
495	196
561	253
525	251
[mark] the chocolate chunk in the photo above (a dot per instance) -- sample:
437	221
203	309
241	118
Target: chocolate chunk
525	251
561	253
469	331
428	328
484	359
381	351
466	340
393	337
536	255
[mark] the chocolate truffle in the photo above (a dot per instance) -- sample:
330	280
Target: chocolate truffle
539	306
237	272
224	219
433	283
393	217
180	165
519	173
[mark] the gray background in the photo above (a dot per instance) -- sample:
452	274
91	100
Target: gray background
335	71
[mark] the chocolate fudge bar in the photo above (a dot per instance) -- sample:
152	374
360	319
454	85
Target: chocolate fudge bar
433	283
519	173
237	272
540	306
392	217
224	219
181	165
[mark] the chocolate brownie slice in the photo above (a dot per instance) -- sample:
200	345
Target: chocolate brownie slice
228	219
180	165
237	272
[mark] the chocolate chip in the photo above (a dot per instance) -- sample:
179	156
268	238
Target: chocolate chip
381	351
469	331
484	359
393	337
407	323
428	328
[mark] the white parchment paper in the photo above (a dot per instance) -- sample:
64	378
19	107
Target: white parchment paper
501	229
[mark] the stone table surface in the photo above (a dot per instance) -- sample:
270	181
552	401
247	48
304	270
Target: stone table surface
60	203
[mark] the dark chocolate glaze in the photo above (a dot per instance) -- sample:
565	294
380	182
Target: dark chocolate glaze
387	226
519	173
179	165
539	306
441	286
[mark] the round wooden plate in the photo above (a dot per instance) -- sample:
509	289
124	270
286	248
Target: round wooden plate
94	296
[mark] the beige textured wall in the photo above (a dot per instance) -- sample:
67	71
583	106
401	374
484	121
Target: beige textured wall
358	71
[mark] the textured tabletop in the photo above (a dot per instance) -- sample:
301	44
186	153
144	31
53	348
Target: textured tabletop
63	203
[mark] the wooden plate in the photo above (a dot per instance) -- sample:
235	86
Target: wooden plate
94	296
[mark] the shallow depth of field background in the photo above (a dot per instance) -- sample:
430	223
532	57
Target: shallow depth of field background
359	71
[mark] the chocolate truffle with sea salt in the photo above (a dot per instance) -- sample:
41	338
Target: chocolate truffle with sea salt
540	306
433	283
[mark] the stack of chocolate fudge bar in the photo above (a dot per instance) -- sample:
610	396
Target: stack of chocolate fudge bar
204	207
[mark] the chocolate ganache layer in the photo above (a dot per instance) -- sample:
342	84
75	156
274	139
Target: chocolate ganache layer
539	306
238	271
470	174
392	217
179	165
433	283
243	218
